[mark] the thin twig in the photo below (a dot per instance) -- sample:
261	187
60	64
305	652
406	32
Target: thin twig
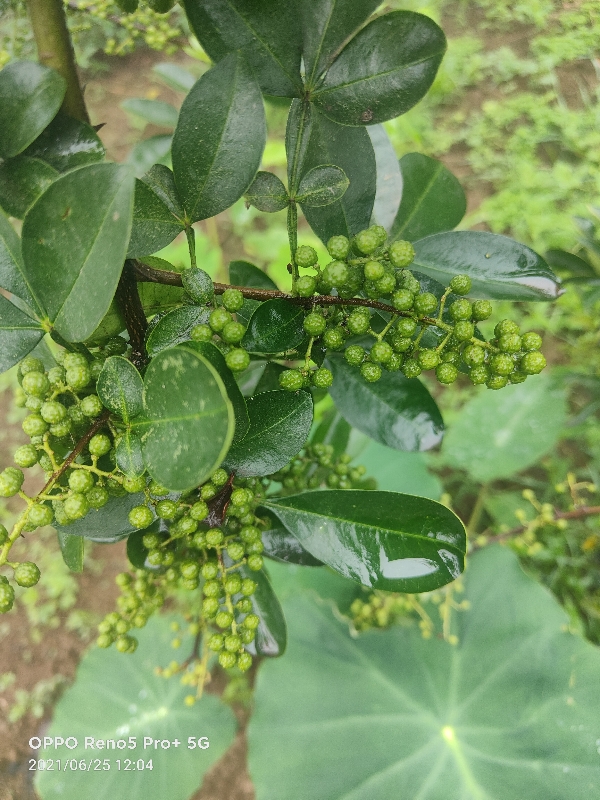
578	513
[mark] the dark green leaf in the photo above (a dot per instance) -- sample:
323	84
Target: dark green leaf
240	410
326	26
72	550
268	31
322	186
275	326
245	313
74	243
128	454
174	328
12	271
30	96
389	177
297	137
267	193
144	154
432	199
334	430
185	403
243	273
67	143
509	712
136	552
499	267
162	182
281	545
219	138
108	524
271	634
269	380
154	226
279	427
22	181
574	264
385	540
19	334
351	150
396	411
383	71
175	76
120	388
155	111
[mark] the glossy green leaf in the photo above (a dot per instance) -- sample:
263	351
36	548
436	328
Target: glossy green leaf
154	150
332	430
154	225
128	454
185	402
136	551
30	96
115	697
175	76
268	32
120	388
275	326
401	412
396	471
499	267
267	193
271	634
432	199
108	524
74	243
500	433
298	132
389	178
508	713
385	540
19	334
351	150
67	143
219	138
326	26
279	427
72	550
575	265
243	273
174	328
12	271
322	186
383	71
280	545
155	111
161	180
240	410
22	181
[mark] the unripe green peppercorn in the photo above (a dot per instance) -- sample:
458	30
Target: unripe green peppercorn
479	375
255	563
386	284
224	619
233	332
532	363
214	537
291	380
322	378
504	327
401	343
237	359
460	284
11	480
314	323
52	412
334	338
446	373
335	273
36	384
91	405
460	310
97	497
306	256
359	322
218	319
244	661
134	485
306	285
473	355
80	480
140	517
510	343
401	253
501	364
425	304
227	660
232	300
216	642
76	506
199	511
403	300
496	381
531	341
40	515
99	445
374	270
381	352
26	456
463	331
370	372
78	377
411	368
481	309
428	359
31	364
338	247
354	355
201	333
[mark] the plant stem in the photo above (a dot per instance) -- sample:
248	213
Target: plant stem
292	230
191	240
477	510
55	49
578	513
130	305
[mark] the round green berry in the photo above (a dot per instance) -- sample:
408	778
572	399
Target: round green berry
428	359
7	597
166	509
291	380
395	362
504	327
208	491
151	540
61	429
31	364
201	333
216	642
99	445
240	497
335	273
322	378
510	343
479	375
461	310
232	299
53	412
56	376
251	622
334	338
80	480
481	309
338	247
460	284
189	569
401	253
219	477
403	300
501	364
411	368
40	515
233	643
359	322
306	256
210	570
473	355
386	284
463	331
11	480
33	403
249	533
210	606
306	285
78	377
36	384
451	357
370	372
76	506
227	660
314	323
425	304
198	284
244	661
91	405
374	270
218	319
496	381
224	619
214	537
248	587
354	355
381	352
233	332
25	456
446	373
27	574
517	377
199	511
104	640
237	359
255	562
401	344
367	241
531	341
532	363
97	497
233	584
406	280
140	517
235	551
134	485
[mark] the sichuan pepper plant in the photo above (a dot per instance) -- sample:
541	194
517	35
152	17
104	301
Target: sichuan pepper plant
177	412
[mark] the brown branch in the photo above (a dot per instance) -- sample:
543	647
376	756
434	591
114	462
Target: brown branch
76	450
130	305
577	513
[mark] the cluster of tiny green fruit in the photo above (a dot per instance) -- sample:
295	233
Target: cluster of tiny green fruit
316	466
419	332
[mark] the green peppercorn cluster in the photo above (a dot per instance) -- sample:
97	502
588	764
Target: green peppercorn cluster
367	267
317	466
